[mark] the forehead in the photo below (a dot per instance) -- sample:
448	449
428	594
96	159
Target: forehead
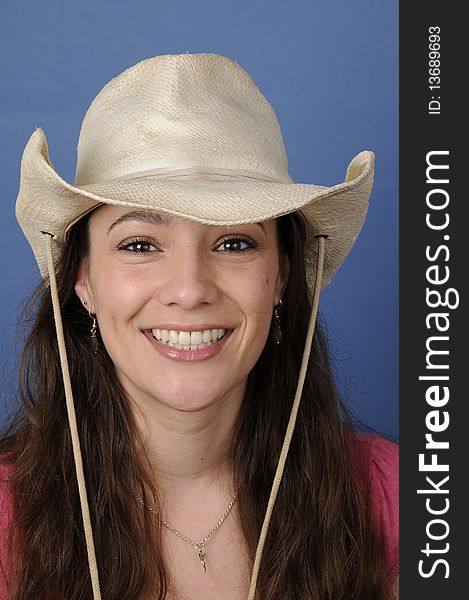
108	217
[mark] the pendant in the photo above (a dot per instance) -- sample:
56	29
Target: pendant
201	555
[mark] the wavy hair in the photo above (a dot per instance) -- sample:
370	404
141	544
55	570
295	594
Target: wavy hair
329	550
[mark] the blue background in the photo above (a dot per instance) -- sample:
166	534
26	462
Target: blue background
328	67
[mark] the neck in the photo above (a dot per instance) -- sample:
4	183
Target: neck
188	451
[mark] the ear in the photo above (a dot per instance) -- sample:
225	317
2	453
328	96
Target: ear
282	279
82	287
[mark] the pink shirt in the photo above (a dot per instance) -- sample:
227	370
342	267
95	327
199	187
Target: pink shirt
376	461
377	465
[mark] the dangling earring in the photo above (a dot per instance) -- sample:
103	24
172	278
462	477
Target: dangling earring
277	332
94	329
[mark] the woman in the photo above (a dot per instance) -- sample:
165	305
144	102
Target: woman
157	454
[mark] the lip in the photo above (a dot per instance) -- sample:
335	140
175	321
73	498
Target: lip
180	355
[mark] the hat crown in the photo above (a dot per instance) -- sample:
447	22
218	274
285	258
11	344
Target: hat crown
185	111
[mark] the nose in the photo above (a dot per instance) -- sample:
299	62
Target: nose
189	280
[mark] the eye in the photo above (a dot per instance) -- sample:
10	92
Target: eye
139	246
236	244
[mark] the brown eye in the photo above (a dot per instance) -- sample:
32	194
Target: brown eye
235	245
138	246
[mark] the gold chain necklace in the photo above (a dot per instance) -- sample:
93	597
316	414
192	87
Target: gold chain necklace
198	545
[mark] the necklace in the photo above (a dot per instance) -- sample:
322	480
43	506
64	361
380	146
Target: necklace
198	545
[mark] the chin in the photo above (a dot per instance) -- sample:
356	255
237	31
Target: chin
189	407
188	402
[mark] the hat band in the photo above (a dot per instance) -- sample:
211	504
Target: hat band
171	173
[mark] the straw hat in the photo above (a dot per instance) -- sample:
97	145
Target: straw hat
190	135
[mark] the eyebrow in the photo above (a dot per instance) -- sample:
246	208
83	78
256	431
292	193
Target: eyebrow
153	218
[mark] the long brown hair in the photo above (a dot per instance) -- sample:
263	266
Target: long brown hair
320	545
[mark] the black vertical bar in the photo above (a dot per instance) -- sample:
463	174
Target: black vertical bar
434	251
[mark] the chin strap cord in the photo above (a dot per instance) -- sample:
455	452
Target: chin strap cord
93	567
73	424
291	422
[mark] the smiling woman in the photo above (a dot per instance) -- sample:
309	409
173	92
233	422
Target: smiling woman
181	435
165	284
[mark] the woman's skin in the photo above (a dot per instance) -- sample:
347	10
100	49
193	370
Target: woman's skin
148	271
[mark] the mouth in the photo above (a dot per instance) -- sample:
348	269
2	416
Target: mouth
183	345
189	340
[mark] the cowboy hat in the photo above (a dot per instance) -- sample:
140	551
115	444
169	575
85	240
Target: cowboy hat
190	135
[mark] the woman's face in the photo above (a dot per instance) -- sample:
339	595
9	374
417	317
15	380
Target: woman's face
184	309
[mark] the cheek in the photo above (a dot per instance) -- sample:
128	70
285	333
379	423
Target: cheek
117	295
253	289
258	318
255	297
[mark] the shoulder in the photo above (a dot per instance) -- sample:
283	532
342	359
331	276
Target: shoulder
376	461
5	518
375	457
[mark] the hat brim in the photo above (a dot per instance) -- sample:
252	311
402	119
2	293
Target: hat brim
48	204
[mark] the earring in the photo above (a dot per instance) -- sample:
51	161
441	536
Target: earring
94	329
277	332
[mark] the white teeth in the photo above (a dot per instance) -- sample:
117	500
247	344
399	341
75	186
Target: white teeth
188	340
196	338
184	338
